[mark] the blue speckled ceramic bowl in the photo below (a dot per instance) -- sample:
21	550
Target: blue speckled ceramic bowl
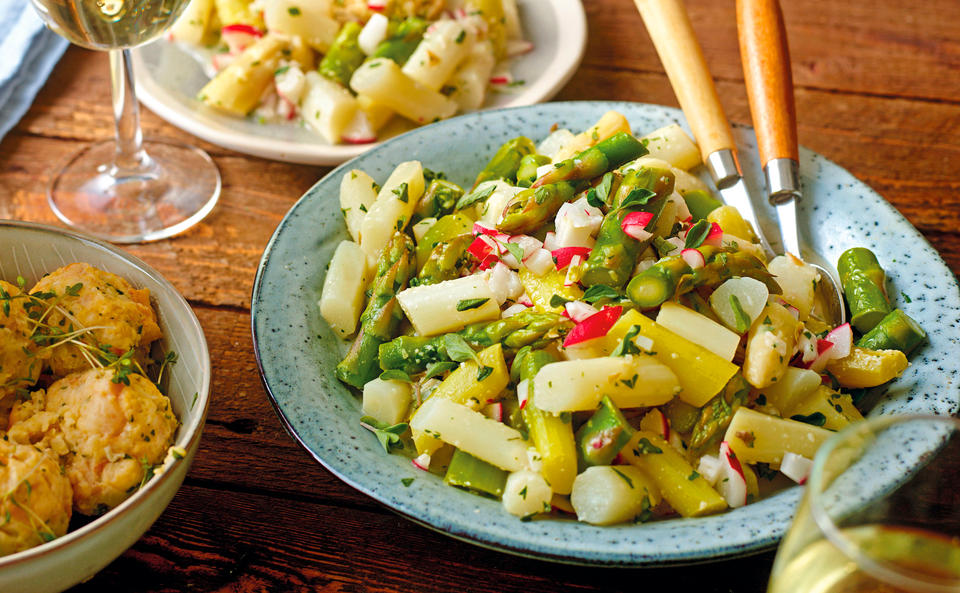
297	352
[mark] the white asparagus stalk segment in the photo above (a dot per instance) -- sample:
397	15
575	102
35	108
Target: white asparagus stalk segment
526	493
327	107
392	209
386	401
760	438
358	192
471	79
383	81
699	329
342	299
671	144
312	21
192	24
238	87
606	495
445	44
472	432
432	309
630	381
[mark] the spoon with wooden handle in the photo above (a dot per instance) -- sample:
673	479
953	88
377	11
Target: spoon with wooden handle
766	69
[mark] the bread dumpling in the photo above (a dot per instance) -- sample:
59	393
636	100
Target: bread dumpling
20	362
37	504
119	317
109	433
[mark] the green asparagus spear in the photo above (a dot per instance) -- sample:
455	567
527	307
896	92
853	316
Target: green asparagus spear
476	475
863	286
382	315
413	354
602	436
506	161
596	160
437	200
532	207
700	203
715	415
401	42
447	261
615	253
445	229
896	331
344	56
672	275
527	172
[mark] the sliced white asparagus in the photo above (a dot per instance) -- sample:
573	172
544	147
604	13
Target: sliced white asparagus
756	437
606	495
383	81
472	77
392	209
630	381
526	493
671	144
699	329
472	432
312	21
342	299
358	191
327	107
797	280
193	22
386	401
445	44
449	305
373	33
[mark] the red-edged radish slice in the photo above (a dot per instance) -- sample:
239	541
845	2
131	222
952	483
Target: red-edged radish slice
574	270
733	484
422	461
655	421
359	130
807	345
842	339
518	47
579	310
501	79
481	229
694	258
595	326
221	61
523	393
710	468
824	355
539	262
525	300
563	255
239	37
485	250
377	5
715	236
494	411
527	243
796	467
634	225
513	310
550	241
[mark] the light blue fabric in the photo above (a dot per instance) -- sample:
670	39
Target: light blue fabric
28	53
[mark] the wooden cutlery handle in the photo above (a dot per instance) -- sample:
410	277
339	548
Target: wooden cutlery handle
766	69
669	27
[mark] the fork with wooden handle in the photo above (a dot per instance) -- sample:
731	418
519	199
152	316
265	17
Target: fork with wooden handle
766	69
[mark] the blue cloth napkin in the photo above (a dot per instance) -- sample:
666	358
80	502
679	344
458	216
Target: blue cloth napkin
28	53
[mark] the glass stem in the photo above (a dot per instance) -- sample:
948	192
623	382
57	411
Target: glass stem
130	156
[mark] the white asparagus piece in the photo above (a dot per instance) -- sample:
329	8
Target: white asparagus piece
432	309
327	107
342	299
445	44
358	191
392	209
193	22
759	438
606	495
526	493
699	329
472	78
311	20
238	87
386	401
383	81
472	432
671	144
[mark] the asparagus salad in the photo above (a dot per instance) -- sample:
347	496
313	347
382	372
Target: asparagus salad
586	329
353	71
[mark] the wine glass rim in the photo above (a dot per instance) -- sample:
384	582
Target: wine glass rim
834	534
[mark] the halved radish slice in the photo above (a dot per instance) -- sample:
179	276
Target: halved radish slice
842	339
694	258
595	326
377	5
485	250
574	270
539	262
239	37
710	468
563	255
656	421
634	225
733	484
550	241
579	311
422	461
359	130
715	236
796	467
513	310
523	393
824	355
494	411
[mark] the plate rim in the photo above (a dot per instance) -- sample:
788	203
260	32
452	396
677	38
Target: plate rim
578	557
151	93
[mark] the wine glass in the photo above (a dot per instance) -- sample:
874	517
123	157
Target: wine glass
127	190
881	512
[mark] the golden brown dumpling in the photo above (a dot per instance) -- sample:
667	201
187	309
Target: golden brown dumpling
119	316
19	359
108	433
37	505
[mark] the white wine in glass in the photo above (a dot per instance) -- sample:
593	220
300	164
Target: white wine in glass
881	513
127	190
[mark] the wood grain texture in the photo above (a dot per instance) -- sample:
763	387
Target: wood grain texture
877	91
766	71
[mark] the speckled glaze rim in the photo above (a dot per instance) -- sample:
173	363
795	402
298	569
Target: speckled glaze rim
739	532
188	437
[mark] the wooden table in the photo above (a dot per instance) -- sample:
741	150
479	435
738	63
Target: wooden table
878	91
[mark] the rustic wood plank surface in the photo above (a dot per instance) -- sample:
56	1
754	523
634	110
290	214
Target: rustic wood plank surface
878	91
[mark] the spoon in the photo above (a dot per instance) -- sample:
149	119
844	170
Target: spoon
766	69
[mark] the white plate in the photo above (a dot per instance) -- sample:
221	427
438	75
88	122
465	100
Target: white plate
168	78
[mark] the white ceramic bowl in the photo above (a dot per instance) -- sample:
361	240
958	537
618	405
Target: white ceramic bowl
31	250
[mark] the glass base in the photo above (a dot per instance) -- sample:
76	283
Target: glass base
173	187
